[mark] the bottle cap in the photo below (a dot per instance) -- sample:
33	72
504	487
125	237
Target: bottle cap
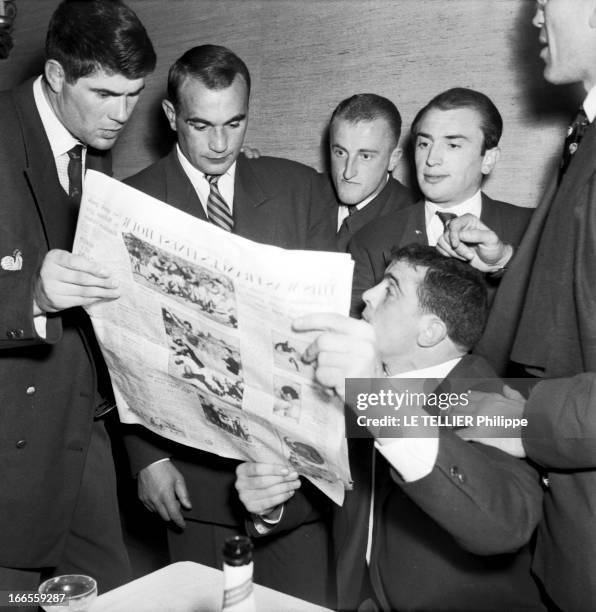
237	550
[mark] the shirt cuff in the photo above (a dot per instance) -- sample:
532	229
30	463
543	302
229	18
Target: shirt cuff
40	324
265	523
412	458
155	462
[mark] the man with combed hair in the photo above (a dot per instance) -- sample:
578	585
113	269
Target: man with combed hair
269	200
456	143
364	133
450	520
543	319
58	508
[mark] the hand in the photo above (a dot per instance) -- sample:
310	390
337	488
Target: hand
467	238
250	152
346	348
66	280
510	405
263	486
162	489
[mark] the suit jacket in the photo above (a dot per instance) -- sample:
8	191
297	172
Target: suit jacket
278	202
543	317
453	540
49	387
371	247
393	197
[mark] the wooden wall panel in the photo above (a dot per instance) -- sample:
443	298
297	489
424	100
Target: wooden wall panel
305	56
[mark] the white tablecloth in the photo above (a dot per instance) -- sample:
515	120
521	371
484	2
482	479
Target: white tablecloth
189	587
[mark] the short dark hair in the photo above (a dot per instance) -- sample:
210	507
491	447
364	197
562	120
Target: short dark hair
451	289
216	67
491	122
367	107
88	35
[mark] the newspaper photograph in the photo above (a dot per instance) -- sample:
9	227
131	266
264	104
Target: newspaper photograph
200	346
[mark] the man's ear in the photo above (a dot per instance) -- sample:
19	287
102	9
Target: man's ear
490	159
170	111
54	75
432	331
394	158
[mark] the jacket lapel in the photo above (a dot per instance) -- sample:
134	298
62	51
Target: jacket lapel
179	190
413	229
252	219
40	170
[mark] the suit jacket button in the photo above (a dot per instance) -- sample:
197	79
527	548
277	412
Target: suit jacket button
19	333
21	443
30	390
10	334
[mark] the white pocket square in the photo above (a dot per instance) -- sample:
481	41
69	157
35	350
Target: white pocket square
14	262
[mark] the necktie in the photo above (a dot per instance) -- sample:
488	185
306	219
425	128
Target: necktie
575	133
446	217
75	173
217	210
345	233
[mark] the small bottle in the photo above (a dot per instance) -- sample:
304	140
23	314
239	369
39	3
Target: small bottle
237	568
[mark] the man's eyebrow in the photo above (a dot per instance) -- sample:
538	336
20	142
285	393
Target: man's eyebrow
456	137
234	119
392	279
110	92
447	137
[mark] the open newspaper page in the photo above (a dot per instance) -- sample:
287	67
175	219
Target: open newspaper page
200	347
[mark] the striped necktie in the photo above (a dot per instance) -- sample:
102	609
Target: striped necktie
217	210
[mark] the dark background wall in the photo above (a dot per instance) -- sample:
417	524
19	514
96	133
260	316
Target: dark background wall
306	55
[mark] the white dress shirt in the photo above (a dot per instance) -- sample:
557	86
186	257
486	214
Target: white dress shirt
412	458
590	104
434	225
225	184
61	140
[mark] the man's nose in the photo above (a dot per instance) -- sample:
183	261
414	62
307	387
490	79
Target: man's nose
121	109
434	155
218	142
350	169
538	19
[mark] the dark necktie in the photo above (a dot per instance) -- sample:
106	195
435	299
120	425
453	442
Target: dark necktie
217	210
446	217
75	173
575	133
345	233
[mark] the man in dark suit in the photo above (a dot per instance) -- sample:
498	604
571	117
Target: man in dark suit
58	508
269	200
364	134
450	519
543	320
456	137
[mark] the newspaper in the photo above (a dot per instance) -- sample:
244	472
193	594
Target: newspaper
199	345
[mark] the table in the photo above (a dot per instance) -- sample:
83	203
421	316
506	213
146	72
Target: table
189	587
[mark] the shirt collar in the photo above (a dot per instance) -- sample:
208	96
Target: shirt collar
590	104
441	370
472	205
194	174
61	140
